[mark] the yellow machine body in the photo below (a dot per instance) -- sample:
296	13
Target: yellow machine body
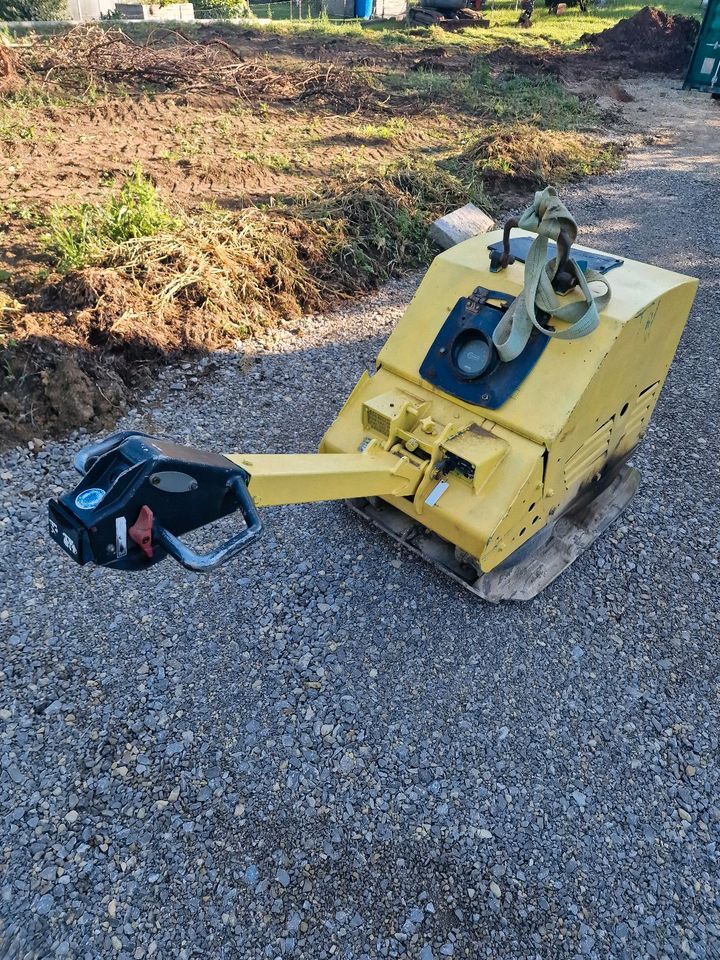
577	415
502	496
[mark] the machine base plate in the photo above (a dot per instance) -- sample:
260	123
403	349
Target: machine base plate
572	534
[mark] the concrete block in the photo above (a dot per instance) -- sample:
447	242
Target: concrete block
468	221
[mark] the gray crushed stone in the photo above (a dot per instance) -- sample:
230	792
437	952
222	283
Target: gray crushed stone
329	750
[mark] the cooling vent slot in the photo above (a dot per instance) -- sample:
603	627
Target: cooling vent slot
590	457
636	419
377	422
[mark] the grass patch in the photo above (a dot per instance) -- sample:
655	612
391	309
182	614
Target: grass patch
540	100
79	235
522	158
13	127
16	121
279	162
385	131
216	277
30	96
547	31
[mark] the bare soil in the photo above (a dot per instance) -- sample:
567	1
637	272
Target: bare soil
9	80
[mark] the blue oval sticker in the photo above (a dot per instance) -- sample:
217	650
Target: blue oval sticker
89	499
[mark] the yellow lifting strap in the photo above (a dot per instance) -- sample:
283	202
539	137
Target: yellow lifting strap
548	217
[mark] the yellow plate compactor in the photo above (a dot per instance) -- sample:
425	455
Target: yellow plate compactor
492	438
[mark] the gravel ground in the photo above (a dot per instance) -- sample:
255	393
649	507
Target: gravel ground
329	750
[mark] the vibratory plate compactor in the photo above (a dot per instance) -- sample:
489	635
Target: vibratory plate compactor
491	440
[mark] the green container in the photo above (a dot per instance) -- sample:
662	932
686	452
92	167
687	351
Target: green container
704	70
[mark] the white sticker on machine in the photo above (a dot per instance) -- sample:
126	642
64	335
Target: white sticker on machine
120	536
437	491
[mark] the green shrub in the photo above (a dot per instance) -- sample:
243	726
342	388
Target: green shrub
34	10
78	235
222	9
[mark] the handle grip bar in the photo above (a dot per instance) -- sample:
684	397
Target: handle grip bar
200	562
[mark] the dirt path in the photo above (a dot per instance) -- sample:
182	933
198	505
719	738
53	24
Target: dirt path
662	208
691	120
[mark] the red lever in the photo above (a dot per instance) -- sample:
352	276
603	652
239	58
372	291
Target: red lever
141	531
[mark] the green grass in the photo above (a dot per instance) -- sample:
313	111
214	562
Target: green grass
23	212
78	235
13	128
547	31
280	162
385	131
540	100
30	96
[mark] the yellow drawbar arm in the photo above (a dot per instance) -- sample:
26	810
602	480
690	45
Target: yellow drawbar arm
305	477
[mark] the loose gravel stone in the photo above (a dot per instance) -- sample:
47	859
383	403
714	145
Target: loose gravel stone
329	749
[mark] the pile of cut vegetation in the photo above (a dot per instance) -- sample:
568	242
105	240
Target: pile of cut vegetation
137	282
141	279
168	60
515	158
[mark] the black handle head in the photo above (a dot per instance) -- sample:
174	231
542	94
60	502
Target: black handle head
138	495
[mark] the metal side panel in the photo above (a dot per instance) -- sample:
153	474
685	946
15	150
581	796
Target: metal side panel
572	534
704	70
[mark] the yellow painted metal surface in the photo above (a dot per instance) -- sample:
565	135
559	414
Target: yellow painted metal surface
465	515
582	408
306	477
488	480
637	289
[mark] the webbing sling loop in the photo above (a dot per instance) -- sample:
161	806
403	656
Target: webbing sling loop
548	217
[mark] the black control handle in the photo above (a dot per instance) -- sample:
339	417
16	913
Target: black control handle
86	457
202	562
140	494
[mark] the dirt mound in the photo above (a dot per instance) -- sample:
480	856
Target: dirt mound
47	388
514	159
9	80
651	41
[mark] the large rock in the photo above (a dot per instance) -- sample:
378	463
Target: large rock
468	221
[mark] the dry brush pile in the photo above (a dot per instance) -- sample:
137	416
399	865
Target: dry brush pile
171	61
214	278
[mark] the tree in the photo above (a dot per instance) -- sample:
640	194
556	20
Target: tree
33	10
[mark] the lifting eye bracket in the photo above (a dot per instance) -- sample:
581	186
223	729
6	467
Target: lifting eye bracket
501	260
564	278
134	482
